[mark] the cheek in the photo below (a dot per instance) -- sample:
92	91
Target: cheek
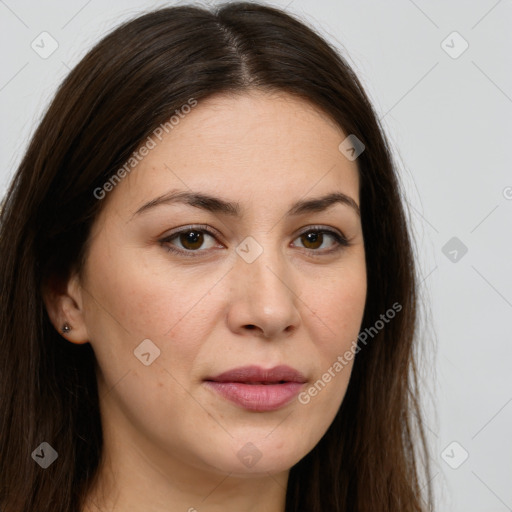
337	313
132	300
338	304
132	305
140	295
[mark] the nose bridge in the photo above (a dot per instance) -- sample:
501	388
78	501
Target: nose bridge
266	296
264	264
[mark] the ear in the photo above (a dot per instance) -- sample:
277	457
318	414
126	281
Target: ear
64	304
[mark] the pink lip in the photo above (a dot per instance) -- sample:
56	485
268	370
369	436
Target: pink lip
257	389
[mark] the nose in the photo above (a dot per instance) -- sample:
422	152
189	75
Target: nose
264	297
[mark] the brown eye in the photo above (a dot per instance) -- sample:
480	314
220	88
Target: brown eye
314	240
194	241
191	239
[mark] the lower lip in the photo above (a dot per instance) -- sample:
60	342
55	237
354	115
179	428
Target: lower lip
257	397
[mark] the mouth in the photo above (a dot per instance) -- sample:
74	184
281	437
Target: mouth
264	383
258	375
257	389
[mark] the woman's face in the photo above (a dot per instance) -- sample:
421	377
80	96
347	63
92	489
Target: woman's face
262	286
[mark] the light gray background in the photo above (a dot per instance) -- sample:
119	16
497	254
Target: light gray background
450	123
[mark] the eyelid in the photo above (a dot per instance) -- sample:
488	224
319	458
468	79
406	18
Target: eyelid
203	228
192	227
341	240
323	229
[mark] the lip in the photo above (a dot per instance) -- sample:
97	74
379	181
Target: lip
254	374
258	389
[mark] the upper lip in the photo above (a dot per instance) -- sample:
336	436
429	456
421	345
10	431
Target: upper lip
281	373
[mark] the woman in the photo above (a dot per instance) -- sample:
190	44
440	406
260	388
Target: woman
208	287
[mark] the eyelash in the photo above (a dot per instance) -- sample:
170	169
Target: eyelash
341	241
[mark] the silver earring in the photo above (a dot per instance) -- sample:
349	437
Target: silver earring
66	328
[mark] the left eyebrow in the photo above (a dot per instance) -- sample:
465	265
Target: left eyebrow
323	203
217	205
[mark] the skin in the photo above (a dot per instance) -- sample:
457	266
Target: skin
170	442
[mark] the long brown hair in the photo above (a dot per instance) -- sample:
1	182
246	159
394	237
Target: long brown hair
374	455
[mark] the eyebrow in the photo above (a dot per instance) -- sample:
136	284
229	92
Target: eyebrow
217	205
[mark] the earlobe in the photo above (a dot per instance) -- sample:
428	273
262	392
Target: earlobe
64	305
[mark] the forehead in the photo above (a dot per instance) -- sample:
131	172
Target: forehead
245	147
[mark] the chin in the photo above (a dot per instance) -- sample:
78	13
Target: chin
250	459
